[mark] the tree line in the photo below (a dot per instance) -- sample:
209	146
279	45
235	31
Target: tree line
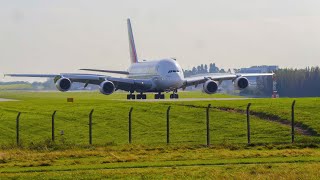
298	82
289	82
203	69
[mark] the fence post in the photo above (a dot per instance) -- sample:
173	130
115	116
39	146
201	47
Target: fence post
90	127
17	128
52	125
292	121
208	125
130	137
248	122
168	125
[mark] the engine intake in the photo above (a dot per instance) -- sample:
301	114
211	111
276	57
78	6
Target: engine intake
241	83
107	87
210	87
63	84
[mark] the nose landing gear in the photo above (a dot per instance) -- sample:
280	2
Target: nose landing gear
174	95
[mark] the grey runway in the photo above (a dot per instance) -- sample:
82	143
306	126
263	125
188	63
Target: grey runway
185	99
3	100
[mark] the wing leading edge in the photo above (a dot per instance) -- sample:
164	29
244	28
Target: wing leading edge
107	71
125	84
195	80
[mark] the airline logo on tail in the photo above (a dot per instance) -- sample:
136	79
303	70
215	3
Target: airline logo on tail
132	47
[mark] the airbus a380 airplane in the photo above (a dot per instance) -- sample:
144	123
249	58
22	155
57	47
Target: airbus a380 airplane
158	76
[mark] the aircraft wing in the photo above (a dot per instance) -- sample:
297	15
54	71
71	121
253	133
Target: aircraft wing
96	79
195	80
32	75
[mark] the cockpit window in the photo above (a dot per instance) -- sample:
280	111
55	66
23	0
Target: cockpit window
171	71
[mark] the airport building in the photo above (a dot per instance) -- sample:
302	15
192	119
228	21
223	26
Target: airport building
258	69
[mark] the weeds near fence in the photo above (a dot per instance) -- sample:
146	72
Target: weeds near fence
51	144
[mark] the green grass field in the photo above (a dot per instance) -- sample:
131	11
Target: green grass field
149	156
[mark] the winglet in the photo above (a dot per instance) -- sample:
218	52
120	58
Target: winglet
132	47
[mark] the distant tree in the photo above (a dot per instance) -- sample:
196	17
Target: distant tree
198	69
206	68
236	70
194	70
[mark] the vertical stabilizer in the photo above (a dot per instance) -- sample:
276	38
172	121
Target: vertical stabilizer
132	47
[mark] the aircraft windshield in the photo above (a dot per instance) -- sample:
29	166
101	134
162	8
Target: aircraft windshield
171	71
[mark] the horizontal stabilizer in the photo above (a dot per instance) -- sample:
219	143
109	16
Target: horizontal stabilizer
107	71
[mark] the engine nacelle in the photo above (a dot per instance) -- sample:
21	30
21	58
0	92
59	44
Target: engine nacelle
241	83
210	87
107	87
63	84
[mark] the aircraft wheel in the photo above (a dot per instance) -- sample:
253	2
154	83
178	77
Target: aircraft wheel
174	96
162	96
139	96
128	96
144	96
156	96
133	96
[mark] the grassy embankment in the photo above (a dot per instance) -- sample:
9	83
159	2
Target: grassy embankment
186	156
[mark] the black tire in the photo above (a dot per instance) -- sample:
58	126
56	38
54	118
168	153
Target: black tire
156	96
133	96
162	96
139	96
128	96
144	96
176	96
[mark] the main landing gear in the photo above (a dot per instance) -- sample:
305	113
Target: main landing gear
139	96
131	96
159	96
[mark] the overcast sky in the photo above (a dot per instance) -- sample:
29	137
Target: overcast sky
65	35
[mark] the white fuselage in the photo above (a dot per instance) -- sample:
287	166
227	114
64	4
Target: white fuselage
166	74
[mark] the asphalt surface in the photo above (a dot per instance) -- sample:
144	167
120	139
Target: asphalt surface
2	100
187	99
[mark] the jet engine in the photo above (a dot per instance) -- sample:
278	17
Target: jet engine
107	87
210	87
63	84
241	83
